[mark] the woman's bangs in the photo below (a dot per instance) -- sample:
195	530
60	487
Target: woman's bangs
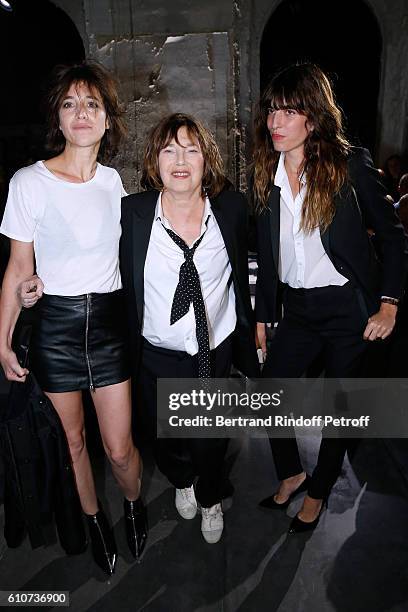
172	134
284	98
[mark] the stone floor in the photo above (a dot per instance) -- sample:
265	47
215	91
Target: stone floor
356	560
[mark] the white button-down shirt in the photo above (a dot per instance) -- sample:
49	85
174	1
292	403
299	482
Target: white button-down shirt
303	262
161	275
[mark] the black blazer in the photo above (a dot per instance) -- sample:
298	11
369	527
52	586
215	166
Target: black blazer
361	204
230	211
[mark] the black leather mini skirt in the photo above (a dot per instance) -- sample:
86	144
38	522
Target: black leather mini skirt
80	342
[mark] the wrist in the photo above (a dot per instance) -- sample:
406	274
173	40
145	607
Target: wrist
388	308
4	352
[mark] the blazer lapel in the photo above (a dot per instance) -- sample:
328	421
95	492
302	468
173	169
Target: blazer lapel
325	236
225	228
274	222
142	220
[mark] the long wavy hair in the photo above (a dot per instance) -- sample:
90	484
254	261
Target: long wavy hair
306	89
214	179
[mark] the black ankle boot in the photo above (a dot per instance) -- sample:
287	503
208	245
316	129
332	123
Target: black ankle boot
135	526
103	542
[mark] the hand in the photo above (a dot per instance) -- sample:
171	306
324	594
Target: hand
260	337
30	291
381	324
11	367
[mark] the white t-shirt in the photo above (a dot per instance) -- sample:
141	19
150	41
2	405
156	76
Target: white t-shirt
75	228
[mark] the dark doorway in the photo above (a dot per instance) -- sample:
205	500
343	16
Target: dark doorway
34	37
344	38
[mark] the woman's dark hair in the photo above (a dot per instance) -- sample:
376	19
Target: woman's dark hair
160	136
98	79
306	89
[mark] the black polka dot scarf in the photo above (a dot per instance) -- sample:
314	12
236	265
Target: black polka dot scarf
189	290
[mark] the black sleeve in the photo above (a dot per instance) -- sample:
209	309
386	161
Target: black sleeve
379	214
125	243
266	278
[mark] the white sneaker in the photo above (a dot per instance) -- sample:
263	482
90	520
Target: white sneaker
186	502
212	523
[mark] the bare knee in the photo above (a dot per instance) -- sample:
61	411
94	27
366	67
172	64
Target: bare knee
120	457
77	445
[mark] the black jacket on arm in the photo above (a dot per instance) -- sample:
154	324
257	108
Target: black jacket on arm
230	211
361	204
39	479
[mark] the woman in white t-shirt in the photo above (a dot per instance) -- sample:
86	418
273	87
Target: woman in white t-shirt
65	212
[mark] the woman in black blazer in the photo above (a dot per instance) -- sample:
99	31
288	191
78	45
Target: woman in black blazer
184	266
315	196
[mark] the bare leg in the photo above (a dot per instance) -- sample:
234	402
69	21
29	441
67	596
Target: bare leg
287	487
70	410
310	509
113	408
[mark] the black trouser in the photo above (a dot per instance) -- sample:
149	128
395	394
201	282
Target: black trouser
323	319
184	460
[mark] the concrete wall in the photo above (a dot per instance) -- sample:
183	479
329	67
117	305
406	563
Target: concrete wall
203	58
156	77
169	57
393	99
392	17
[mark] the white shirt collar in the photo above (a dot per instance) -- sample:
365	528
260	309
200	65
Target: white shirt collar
159	215
281	176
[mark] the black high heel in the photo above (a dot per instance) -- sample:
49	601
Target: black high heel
271	504
103	543
299	526
136	526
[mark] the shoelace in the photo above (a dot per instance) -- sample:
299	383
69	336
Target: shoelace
212	517
211	513
188	494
